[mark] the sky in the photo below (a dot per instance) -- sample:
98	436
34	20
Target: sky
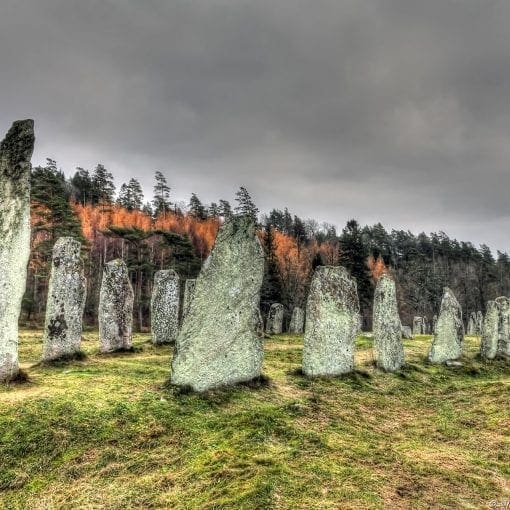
391	111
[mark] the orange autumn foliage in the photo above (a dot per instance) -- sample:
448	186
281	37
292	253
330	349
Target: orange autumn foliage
377	267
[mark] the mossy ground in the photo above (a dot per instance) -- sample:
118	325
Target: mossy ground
108	432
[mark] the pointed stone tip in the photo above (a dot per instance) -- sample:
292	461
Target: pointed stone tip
18	144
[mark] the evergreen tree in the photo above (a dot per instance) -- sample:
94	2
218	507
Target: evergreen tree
161	202
82	186
245	205
213	211
196	208
131	195
225	209
103	188
272	288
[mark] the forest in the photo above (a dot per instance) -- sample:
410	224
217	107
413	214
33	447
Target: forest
161	233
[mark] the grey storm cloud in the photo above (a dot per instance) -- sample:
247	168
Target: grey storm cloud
386	110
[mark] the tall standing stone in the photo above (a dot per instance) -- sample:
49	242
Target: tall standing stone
424	326
165	307
388	347
66	301
504	326
417	325
115	308
15	153
189	291
479	323
332	320
490	336
297	321
220	342
449	334
274	324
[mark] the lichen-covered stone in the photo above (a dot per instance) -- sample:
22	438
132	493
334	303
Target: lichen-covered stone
115	308
15	153
332	321
472	326
220	342
66	301
165	307
424	326
449	334
388	347
479	323
297	321
189	290
434	322
274	324
417	325
407	332
503	326
490	336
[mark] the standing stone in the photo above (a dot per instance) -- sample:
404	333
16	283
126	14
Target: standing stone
504	326
471	327
115	308
388	347
66	301
449	335
297	321
189	291
15	153
424	326
220	342
490	336
165	307
417	325
274	325
407	332
332	321
434	322
479	323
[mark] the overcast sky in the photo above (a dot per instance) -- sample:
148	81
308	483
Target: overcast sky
395	111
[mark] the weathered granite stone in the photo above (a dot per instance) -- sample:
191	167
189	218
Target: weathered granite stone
66	301
115	308
189	291
417	325
424	326
479	323
472	326
274	324
449	335
165	307
332	323
15	153
388	347
434	322
490	336
220	342
297	321
504	326
407	333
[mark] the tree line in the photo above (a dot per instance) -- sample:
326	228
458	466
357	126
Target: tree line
161	233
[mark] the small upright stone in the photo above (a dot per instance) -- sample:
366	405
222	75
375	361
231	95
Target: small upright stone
424	326
417	325
115	308
66	301
388	347
165	307
274	324
479	323
504	326
189	291
220	342
407	332
297	321
332	321
15	153
471	327
449	335
490	336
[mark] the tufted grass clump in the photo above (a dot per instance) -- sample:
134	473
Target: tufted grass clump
108	432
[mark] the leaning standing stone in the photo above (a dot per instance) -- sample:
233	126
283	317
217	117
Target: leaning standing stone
417	325
66	301
388	347
115	308
189	290
490	336
449	335
504	326
332	320
220	342
297	321
274	325
15	153
165	307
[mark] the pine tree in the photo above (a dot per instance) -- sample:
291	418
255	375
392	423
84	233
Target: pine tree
272	288
213	210
161	202
245	205
196	208
131	195
82	186
103	188
225	209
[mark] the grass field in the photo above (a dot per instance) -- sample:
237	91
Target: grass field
108	432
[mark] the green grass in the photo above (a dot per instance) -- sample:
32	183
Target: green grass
108	432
